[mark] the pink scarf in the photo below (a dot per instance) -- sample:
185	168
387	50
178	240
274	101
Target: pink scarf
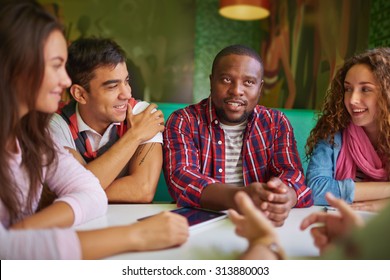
357	150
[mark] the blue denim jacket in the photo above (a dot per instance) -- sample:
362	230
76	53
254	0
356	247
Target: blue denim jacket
321	172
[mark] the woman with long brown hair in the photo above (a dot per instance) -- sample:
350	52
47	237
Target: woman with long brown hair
33	53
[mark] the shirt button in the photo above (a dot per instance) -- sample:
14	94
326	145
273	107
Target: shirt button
216	122
220	170
219	142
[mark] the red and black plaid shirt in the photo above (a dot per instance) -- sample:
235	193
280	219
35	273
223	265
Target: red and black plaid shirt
194	152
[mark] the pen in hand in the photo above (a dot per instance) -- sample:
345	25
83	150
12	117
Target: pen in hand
328	208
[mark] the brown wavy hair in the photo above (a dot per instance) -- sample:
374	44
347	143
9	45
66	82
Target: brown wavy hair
24	29
334	116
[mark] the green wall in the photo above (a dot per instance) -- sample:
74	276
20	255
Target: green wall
170	43
158	37
212	33
379	35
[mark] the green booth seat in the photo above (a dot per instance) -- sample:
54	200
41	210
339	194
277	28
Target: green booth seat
302	121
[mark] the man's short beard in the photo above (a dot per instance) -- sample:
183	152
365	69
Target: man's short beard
222	116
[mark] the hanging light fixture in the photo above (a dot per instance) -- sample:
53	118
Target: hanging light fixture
244	9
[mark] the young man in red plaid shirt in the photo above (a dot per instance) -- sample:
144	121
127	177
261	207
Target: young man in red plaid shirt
227	142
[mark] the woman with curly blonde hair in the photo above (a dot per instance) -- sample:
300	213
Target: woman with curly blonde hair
349	148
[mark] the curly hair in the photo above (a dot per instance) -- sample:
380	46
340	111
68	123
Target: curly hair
334	116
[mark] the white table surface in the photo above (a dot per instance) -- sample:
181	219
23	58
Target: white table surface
212	241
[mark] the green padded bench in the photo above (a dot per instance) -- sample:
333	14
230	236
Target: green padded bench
301	120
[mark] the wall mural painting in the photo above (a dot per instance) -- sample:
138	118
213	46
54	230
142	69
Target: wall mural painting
303	44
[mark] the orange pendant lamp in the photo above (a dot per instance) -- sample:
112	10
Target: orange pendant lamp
244	9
